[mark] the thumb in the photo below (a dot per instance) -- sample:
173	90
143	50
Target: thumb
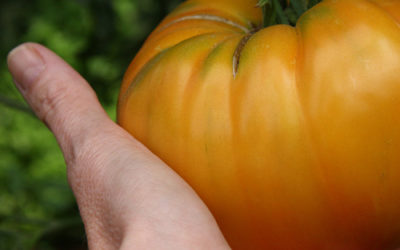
58	95
122	188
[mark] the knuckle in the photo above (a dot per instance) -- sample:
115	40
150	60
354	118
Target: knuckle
88	160
49	97
97	156
84	168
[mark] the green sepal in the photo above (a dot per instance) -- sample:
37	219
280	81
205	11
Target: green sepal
280	12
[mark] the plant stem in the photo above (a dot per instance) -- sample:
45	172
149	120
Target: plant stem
299	6
269	14
279	11
284	12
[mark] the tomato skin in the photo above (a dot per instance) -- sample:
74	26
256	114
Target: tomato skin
294	144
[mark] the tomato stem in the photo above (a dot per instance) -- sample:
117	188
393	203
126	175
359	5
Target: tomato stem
284	11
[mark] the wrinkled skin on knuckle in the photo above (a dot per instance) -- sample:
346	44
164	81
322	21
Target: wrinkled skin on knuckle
48	97
94	156
87	160
91	174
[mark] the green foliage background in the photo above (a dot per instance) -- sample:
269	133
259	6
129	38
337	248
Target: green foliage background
98	38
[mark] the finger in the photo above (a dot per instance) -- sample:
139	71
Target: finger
58	95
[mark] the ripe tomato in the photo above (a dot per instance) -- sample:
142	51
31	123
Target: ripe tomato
291	135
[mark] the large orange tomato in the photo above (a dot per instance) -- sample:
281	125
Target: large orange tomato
291	135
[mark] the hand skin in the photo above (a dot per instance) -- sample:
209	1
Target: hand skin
128	198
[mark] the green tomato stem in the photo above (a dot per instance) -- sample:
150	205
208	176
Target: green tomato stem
282	18
284	12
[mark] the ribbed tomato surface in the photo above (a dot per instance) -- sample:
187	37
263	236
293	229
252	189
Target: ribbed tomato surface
291	135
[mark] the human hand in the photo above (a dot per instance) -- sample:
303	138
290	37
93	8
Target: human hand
128	198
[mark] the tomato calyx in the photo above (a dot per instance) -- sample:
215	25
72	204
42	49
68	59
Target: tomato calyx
284	11
274	12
